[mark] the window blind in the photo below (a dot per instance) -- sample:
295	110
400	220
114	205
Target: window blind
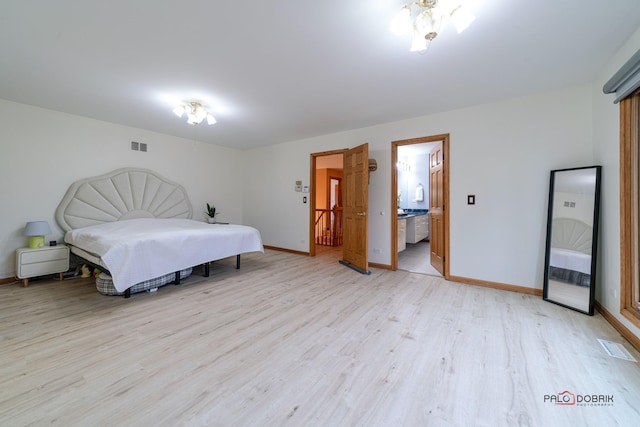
626	80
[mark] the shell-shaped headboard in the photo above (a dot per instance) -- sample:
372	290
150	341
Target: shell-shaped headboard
119	195
573	234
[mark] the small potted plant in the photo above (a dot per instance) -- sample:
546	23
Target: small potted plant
211	213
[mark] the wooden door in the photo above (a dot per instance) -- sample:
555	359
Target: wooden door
437	207
356	201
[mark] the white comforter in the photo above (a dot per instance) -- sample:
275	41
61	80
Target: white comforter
570	260
140	249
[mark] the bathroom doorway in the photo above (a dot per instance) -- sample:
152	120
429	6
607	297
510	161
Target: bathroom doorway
420	193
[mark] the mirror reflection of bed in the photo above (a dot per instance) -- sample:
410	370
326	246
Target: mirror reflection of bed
570	262
573	214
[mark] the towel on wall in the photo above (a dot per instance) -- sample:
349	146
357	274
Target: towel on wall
419	193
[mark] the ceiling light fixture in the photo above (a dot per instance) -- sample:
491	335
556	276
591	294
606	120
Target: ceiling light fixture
196	113
431	17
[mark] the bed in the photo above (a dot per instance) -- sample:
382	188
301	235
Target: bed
136	226
570	254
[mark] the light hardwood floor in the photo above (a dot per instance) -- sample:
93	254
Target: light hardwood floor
569	294
415	258
289	340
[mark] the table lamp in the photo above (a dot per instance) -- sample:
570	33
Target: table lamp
36	230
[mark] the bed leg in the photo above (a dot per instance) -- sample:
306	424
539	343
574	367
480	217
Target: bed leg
127	293
176	281
238	262
206	269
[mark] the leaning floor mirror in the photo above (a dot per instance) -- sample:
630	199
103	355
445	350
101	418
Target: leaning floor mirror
572	237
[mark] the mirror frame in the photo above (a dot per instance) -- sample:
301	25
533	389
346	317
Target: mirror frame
594	239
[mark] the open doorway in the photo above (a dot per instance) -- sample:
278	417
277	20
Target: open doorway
420	193
343	223
326	232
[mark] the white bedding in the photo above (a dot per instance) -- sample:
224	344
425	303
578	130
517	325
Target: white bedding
570	260
136	250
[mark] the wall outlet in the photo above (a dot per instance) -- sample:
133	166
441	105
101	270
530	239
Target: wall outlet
377	250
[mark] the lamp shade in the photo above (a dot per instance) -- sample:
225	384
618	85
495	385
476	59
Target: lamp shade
36	230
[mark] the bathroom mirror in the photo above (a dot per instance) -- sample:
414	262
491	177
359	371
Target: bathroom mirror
572	235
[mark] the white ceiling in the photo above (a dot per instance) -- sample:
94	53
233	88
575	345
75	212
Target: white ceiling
276	71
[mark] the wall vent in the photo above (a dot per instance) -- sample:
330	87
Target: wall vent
138	146
615	349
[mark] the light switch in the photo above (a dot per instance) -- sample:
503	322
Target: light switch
471	199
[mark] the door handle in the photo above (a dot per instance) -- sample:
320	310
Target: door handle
361	214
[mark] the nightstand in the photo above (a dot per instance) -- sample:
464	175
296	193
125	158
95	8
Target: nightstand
41	261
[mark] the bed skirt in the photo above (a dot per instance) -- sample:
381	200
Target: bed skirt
104	283
571	277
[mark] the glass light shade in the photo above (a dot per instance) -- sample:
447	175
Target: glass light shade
461	19
179	110
401	24
192	119
200	113
419	43
210	119
431	21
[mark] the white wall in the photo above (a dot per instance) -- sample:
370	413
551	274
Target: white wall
42	152
500	152
408	181
583	209
607	152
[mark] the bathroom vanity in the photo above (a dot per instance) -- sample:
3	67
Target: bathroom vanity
413	227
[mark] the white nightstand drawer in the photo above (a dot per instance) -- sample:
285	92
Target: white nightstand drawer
41	261
52	253
42	268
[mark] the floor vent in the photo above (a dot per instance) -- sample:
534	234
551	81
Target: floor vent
615	349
